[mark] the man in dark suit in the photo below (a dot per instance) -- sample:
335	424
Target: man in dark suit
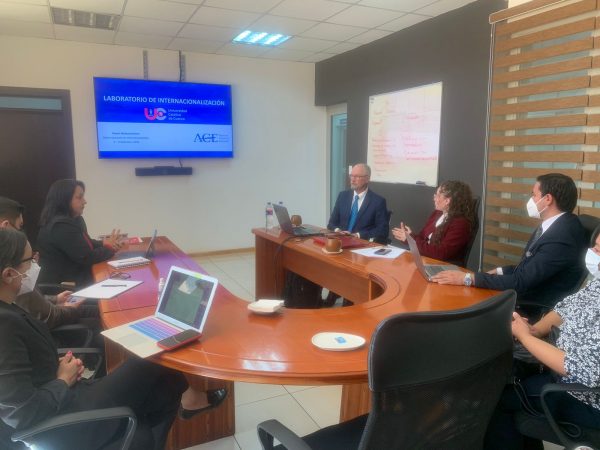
553	261
359	210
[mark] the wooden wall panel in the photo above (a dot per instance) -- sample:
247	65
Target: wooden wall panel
542	115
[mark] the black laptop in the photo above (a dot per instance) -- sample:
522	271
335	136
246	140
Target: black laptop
286	224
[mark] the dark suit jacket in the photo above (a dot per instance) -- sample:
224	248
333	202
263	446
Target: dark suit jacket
550	270
372	220
454	241
67	253
42	308
29	389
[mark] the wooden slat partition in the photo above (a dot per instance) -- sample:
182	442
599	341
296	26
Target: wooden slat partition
544	115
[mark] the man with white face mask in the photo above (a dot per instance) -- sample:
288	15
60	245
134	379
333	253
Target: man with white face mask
52	309
553	260
592	257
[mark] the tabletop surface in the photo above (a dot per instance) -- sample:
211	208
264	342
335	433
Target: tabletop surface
239	345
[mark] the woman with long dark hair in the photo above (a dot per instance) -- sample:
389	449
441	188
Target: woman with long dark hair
447	232
35	384
67	253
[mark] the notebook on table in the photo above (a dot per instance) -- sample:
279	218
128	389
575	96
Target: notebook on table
427	270
285	223
183	305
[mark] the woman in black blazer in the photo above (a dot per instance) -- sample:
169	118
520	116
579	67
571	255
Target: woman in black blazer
36	385
67	253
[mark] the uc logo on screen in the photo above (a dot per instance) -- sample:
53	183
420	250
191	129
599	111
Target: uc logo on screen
155	113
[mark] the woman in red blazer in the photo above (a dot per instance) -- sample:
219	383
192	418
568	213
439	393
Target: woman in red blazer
447	232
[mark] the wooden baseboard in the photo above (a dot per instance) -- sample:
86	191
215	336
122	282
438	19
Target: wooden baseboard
231	251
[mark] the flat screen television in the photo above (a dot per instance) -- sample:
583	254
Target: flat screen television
162	119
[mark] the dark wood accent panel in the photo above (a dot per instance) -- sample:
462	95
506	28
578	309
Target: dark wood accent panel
590	177
504	248
581	82
579	26
519	188
591	158
541	122
523	8
541	105
583	63
539	139
504	202
590	194
574	156
545	52
591	211
511	218
553	15
527	172
491	230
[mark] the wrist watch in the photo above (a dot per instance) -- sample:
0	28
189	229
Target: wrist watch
468	281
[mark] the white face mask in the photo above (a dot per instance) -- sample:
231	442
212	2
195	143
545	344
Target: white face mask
532	210
28	281
591	261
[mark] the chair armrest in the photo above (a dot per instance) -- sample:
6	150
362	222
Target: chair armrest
270	429
94	415
561	387
78	328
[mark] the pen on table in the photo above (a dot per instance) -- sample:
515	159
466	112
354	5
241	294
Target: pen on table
113	285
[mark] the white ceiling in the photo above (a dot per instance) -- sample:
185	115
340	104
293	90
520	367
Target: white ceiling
320	29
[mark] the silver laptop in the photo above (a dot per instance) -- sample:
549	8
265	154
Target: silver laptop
148	254
427	270
183	305
285	224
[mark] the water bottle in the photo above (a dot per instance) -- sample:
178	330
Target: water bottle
161	286
269	219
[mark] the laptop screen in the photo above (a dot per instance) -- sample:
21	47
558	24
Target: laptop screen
186	298
150	250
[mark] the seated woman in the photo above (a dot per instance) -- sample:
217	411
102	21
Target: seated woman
67	253
447	232
574	359
35	384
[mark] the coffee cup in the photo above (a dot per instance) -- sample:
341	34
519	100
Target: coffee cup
333	245
296	220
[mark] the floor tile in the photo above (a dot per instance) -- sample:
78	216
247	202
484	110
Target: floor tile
227	443
251	392
292	388
248	440
284	408
321	403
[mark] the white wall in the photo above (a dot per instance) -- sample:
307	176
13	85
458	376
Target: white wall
279	142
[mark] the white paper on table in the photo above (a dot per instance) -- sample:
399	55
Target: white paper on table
107	289
370	252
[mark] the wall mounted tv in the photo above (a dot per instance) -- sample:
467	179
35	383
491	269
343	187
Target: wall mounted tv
162	119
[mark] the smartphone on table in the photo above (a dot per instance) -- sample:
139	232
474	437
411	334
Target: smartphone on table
382	251
179	339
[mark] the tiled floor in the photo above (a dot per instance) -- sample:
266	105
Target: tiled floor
303	409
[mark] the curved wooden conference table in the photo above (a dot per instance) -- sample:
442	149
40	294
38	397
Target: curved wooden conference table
240	346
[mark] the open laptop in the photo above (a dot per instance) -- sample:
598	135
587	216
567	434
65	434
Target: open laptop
184	304
148	253
427	270
285	224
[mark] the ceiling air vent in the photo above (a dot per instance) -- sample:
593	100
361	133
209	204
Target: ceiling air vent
75	18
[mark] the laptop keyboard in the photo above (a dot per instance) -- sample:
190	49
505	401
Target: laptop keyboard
155	328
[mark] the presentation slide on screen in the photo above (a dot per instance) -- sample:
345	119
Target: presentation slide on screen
404	135
140	116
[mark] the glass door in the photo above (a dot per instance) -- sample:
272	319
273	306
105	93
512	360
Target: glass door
337	116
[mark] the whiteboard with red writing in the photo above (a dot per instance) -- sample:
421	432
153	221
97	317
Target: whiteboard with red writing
404	135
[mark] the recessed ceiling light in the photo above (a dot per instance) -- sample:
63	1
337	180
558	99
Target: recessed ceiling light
84	19
260	38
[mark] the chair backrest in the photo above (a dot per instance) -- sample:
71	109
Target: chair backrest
590	225
436	377
474	230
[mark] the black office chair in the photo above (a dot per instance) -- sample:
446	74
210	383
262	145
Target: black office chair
435	379
385	240
544	426
474	230
34	436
